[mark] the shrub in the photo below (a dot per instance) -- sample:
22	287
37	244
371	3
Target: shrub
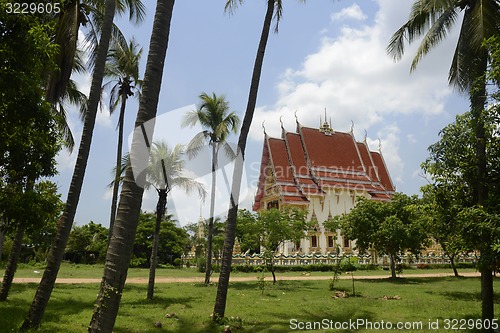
201	264
139	262
178	262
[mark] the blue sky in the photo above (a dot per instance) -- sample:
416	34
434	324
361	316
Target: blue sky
327	54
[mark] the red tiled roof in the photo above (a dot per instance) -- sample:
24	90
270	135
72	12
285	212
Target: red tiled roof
281	165
383	174
309	162
336	151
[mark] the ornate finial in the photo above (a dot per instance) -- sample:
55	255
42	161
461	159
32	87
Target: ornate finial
264	128
366	135
379	145
296	118
281	121
324	127
352	126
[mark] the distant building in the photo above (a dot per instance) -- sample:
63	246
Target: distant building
323	171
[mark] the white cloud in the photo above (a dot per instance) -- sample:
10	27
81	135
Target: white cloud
352	12
352	76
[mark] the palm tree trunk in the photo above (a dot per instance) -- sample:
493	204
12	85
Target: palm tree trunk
2	239
478	102
227	253
160	213
65	223
210	236
116	184
11	268
124	230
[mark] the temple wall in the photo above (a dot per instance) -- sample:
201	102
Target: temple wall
334	203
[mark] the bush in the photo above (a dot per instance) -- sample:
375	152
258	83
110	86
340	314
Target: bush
178	262
201	264
139	262
367	267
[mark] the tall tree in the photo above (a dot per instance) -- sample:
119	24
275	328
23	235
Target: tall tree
123	235
65	223
73	16
29	140
123	68
213	115
166	172
274	9
433	19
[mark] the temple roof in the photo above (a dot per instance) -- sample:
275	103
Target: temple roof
312	161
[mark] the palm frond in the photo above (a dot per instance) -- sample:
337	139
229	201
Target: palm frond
436	33
136	9
228	150
123	165
278	13
232	5
196	145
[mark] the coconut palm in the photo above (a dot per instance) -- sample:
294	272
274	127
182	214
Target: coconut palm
65	223
274	10
433	20
123	68
73	15
164	173
213	114
121	244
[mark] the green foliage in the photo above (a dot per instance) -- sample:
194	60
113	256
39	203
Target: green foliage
458	224
201	264
38	210
29	138
261	283
270	228
173	241
87	244
388	227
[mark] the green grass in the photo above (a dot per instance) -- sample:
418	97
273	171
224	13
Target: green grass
95	271
422	299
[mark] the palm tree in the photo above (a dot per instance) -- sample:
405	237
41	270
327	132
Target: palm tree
65	223
123	67
433	19
274	9
75	14
213	114
121	244
165	172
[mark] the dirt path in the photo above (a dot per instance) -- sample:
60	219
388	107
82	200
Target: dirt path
241	278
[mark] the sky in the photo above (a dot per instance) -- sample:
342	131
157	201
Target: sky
326	55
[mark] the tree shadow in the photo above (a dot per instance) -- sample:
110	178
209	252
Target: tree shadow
412	280
14	311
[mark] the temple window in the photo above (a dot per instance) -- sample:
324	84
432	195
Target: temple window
330	241
314	241
273	204
346	242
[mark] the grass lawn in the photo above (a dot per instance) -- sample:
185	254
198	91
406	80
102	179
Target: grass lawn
422	299
95	271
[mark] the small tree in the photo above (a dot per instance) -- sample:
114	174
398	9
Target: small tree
388	227
273	228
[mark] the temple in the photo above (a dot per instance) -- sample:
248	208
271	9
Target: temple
323	171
